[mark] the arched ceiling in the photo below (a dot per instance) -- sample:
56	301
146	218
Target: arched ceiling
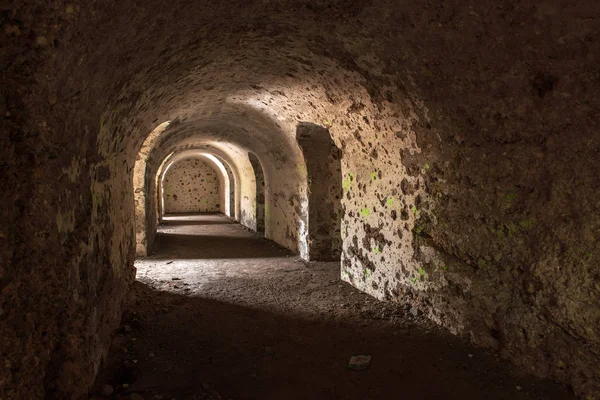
474	117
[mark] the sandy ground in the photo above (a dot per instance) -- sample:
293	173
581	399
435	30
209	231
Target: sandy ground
220	313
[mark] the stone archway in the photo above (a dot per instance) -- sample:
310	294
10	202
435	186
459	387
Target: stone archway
260	193
324	176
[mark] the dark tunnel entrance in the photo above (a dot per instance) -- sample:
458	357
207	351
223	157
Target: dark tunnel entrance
232	184
260	193
323	165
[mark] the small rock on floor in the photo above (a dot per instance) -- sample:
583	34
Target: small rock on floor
359	362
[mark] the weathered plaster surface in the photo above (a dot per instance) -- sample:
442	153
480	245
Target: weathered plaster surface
191	186
469	145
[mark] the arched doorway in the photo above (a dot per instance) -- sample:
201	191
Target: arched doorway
324	175
260	193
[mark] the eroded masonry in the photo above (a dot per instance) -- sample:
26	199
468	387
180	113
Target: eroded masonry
445	153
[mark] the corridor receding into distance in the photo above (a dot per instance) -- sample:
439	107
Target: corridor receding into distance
300	199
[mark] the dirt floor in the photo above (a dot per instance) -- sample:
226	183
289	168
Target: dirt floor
220	313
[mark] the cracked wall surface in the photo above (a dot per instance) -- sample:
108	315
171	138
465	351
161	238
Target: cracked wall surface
469	143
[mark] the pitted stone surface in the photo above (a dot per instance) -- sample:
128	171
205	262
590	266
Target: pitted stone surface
469	161
191	186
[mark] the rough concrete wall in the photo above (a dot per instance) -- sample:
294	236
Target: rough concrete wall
191	186
324	174
63	276
469	138
466	211
66	243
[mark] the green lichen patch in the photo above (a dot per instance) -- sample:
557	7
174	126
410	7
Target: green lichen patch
527	224
509	199
415	211
347	182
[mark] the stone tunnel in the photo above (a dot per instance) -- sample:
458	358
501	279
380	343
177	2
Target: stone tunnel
238	200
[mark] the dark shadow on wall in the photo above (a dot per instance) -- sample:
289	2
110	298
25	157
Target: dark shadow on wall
324	171
260	193
231	186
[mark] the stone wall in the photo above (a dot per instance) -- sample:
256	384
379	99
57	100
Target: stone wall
191	186
469	138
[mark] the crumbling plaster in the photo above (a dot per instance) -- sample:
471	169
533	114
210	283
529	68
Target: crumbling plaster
469	139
